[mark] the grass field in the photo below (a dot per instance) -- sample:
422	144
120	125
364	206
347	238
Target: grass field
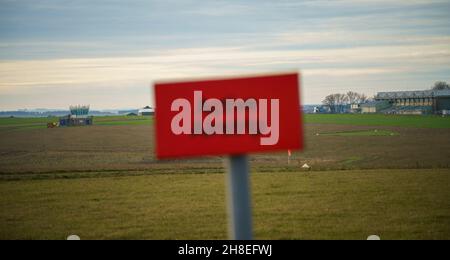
344	119
18	123
399	204
380	120
371	174
375	132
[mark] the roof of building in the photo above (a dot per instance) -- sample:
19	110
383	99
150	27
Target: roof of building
413	94
79	110
146	109
372	103
442	93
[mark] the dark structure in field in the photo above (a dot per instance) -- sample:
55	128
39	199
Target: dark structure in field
78	117
411	102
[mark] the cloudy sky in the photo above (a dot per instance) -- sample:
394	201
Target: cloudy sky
107	52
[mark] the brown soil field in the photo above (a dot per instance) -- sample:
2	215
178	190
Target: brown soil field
124	148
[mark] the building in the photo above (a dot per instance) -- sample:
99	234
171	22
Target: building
355	108
416	102
74	121
319	110
79	116
130	111
374	106
146	111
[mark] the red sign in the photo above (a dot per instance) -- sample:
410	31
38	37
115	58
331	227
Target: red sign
228	116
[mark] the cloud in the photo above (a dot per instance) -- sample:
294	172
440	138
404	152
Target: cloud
210	61
119	48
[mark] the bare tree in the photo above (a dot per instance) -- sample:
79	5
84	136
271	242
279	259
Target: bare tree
341	101
337	102
440	85
352	97
330	102
356	98
362	98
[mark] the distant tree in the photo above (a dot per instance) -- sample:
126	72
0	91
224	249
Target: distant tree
330	102
440	85
355	98
341	101
352	97
362	98
337	102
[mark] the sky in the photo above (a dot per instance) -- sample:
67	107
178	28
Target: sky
107	53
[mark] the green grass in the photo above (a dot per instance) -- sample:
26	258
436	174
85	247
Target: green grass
338	119
18	123
375	132
7	121
123	120
102	182
394	204
379	120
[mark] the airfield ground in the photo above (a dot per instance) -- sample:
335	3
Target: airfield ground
371	174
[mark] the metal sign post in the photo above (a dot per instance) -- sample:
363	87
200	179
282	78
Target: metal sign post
239	202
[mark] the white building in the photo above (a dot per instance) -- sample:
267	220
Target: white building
146	111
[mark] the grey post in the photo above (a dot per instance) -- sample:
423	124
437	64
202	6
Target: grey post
239	203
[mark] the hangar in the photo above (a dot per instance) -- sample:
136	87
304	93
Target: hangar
416	102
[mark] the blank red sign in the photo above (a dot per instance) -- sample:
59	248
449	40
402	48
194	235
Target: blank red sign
228	116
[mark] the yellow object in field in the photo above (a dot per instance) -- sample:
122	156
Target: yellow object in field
52	125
